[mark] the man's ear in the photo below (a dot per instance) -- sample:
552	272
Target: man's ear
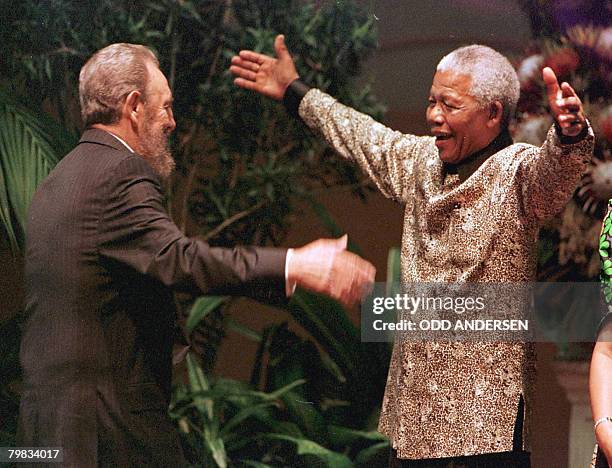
496	112
133	107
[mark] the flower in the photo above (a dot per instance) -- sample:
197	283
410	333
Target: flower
604	44
605	123
584	36
529	70
563	61
532	129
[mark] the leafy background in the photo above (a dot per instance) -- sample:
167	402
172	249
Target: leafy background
243	166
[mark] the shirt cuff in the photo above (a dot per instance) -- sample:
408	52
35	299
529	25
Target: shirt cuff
289	286
570	140
293	96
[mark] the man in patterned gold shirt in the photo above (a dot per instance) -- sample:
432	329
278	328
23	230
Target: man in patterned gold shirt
473	206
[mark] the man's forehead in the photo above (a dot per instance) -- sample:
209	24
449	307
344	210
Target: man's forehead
157	83
451	81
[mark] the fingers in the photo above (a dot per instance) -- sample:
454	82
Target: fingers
251	56
246	64
342	242
567	90
243	73
569	104
565	105
324	266
352	278
280	48
246	84
552	85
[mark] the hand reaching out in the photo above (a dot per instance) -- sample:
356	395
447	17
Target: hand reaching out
325	266
565	105
264	74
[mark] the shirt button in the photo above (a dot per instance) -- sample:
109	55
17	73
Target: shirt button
456	205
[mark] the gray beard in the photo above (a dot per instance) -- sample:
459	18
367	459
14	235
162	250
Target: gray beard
154	148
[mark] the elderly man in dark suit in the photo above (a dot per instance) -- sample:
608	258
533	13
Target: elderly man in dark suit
102	260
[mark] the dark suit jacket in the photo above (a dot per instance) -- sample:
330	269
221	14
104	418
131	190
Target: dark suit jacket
102	257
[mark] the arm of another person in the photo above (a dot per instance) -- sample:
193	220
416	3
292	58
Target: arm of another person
600	378
600	386
385	155
553	171
134	229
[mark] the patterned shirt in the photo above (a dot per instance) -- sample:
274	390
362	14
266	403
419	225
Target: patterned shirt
448	399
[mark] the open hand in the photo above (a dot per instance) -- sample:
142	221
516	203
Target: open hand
565	105
325	266
266	75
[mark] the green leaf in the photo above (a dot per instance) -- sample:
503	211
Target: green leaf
330	224
199	383
376	451
345	436
217	449
603	253
255	464
393	271
243	330
332	329
30	146
242	415
308	447
201	308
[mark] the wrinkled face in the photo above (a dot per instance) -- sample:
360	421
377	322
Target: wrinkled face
157	123
461	126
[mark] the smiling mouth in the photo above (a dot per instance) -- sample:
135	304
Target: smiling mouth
443	137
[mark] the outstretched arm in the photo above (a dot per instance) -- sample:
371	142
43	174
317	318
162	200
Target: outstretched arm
553	171
600	384
386	156
565	105
264	74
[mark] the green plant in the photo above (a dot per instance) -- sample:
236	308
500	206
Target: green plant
332	415
242	163
30	145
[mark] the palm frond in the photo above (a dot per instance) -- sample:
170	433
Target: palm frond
30	146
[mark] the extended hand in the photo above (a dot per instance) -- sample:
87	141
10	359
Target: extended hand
266	75
565	105
325	266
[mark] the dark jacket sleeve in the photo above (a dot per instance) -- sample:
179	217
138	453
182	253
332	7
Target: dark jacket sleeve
135	230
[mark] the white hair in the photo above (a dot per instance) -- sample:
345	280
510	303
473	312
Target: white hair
108	77
493	76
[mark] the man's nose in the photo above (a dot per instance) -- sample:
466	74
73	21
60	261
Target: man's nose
171	121
435	115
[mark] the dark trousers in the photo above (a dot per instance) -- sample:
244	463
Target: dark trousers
516	459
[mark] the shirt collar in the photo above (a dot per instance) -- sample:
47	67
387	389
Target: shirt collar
464	169
121	141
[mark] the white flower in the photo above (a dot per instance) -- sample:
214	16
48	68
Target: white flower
532	129
604	44
530	68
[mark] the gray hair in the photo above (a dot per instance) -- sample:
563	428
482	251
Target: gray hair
108	77
493	76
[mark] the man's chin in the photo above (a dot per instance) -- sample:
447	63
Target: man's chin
163	164
165	167
449	157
